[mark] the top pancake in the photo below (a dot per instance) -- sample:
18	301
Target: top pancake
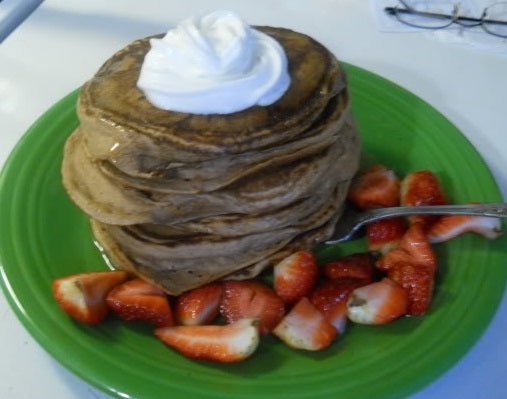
114	112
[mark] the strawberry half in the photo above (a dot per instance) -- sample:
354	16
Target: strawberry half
229	343
376	187
413	248
357	266
385	234
412	265
304	327
417	282
422	188
295	276
451	226
252	300
82	296
331	298
199	306
139	300
377	303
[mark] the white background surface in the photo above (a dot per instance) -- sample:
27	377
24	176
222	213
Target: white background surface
64	42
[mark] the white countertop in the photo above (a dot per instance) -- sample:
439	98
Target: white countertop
63	43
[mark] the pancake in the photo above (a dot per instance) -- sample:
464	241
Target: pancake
239	225
114	112
306	240
104	199
181	200
180	264
150	173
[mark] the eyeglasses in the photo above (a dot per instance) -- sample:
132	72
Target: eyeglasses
493	19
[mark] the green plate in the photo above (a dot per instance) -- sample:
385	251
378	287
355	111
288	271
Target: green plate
44	236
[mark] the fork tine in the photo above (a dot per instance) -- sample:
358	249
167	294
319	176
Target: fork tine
346	227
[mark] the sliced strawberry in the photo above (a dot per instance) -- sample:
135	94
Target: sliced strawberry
451	226
385	234
295	276
252	299
358	266
416	243
199	306
377	187
392	258
229	343
377	303
412	265
414	248
139	300
304	327
422	188
337	316
418	282
82	296
331	297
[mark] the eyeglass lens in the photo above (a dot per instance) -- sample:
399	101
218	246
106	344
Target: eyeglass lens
496	12
437	16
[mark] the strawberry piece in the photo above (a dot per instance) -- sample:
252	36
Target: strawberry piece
414	248
229	343
252	299
422	188
82	296
412	265
418	283
331	297
357	266
377	303
138	300
392	258
199	306
377	187
451	226
304	327
385	234
295	276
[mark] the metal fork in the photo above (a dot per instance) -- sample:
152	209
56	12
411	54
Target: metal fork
352	221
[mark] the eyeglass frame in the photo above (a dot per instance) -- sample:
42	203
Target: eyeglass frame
453	18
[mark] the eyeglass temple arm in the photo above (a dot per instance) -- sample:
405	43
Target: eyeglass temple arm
396	10
407	6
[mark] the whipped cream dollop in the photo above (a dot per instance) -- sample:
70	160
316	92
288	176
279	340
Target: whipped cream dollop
214	64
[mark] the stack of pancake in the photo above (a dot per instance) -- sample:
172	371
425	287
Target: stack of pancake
183	199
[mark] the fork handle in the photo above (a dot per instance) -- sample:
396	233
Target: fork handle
491	210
